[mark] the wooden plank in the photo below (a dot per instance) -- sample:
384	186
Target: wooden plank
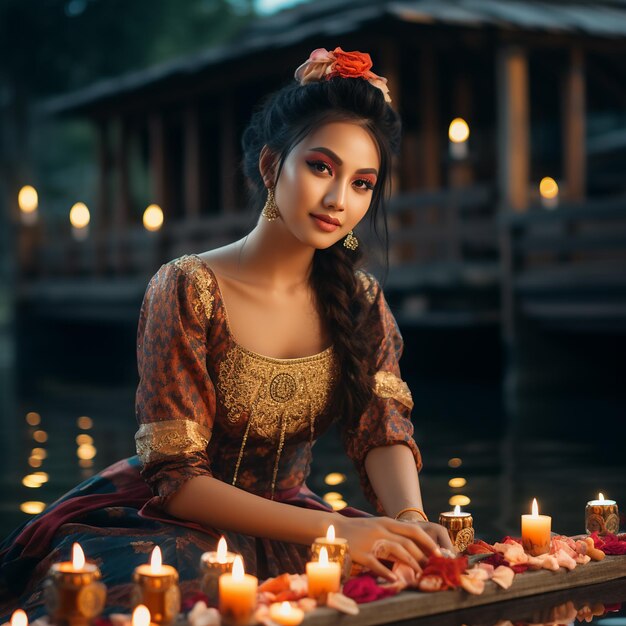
574	126
191	151
412	604
513	127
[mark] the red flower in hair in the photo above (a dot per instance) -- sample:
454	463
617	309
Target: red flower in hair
350	64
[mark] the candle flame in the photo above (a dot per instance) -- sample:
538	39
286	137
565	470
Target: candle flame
457	509
238	571
535	508
601	496
330	533
221	550
141	616
78	557
19	618
323	555
285	608
156	561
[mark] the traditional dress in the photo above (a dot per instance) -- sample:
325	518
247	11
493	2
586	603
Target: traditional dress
207	406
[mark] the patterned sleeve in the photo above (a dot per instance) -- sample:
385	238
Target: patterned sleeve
387	419
175	401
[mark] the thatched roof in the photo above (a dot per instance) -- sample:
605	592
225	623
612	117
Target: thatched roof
324	18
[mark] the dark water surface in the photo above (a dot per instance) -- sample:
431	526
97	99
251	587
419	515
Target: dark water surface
460	420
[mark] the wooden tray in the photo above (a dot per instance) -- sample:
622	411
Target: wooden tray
412	604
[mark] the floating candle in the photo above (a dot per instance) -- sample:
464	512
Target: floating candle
336	548
156	586
237	595
19	618
460	527
73	595
141	616
536	532
286	615
214	564
602	516
324	576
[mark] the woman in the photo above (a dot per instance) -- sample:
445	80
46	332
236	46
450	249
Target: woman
246	355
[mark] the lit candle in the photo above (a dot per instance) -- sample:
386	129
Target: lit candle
73	594
156	586
337	550
19	618
141	616
286	615
536	532
324	576
237	595
460	527
602	516
458	134
214	564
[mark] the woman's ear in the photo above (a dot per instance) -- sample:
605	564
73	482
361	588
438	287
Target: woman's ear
268	162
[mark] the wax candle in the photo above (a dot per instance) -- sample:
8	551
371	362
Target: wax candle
337	550
324	576
73	594
141	616
602	516
460	527
19	618
156	586
536	532
237	595
213	564
286	615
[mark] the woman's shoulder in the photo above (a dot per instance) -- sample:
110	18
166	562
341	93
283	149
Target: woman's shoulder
369	283
187	277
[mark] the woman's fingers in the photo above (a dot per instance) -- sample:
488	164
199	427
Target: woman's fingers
402	552
373	564
417	534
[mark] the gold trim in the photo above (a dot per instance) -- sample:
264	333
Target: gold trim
203	283
388	385
367	282
159	440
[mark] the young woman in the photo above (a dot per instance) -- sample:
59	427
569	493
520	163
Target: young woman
247	354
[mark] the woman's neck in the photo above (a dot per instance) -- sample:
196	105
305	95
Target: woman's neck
271	251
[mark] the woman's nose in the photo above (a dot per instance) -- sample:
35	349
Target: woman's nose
336	197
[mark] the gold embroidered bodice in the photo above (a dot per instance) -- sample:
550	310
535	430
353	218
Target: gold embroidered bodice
244	413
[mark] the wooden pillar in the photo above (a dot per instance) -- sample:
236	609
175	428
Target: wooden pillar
121	212
192	174
390	69
429	115
228	164
158	161
101	217
513	149
574	127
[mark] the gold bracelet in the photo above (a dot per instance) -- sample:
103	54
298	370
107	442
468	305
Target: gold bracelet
410	508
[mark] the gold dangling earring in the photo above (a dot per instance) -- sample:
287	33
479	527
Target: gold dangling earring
270	210
351	242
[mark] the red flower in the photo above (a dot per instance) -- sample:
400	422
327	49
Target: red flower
350	64
449	570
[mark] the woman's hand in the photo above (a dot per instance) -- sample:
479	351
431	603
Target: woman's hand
374	538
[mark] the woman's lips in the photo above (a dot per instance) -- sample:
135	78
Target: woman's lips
326	223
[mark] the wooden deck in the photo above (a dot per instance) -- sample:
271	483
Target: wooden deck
413	604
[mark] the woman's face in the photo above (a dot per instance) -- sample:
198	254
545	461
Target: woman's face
326	184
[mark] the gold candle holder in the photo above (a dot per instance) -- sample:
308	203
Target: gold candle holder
460	527
73	594
156	586
602	516
213	564
337	550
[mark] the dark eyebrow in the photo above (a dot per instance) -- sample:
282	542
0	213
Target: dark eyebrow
336	159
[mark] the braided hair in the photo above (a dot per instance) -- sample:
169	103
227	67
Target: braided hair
284	119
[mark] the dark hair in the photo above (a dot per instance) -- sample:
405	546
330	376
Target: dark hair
281	122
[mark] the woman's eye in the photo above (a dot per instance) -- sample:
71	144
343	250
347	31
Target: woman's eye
363	183
320	166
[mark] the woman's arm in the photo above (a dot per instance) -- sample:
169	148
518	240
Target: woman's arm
394	477
231	508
